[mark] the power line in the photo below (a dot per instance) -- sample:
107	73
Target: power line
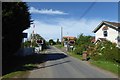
88	9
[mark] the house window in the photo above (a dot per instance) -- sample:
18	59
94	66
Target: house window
105	33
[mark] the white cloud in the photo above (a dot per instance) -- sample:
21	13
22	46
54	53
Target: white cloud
47	31
46	11
71	27
75	27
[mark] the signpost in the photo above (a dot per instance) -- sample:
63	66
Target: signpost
40	42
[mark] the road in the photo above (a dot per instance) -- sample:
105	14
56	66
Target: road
60	65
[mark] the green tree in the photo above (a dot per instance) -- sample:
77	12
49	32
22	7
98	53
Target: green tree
26	44
15	19
51	42
38	37
82	44
57	42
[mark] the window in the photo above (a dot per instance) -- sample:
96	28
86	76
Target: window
105	33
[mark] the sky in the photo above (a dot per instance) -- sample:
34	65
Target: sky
74	17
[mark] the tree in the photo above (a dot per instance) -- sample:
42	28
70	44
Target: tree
58	42
37	37
82	39
82	43
15	19
51	42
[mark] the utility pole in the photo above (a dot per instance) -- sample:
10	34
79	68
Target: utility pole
61	34
32	36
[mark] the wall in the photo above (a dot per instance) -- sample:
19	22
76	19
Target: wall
25	51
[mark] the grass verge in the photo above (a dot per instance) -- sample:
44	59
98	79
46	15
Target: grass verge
13	74
59	46
24	70
24	65
109	66
70	52
75	55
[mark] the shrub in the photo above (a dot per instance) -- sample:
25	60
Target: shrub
106	51
82	44
79	49
26	44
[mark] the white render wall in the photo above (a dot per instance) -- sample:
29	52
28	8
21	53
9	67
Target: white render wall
112	34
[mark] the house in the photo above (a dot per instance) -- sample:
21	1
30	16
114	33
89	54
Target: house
108	31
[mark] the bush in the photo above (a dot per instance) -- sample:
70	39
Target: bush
82	44
52	42
106	51
79	49
26	44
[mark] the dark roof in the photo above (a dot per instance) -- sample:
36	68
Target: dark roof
114	25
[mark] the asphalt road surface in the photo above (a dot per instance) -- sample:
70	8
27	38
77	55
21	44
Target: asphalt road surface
60	65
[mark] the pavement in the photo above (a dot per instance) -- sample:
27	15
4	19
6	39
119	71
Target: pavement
60	65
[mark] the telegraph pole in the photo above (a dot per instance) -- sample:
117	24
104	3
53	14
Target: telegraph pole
32	36
61	34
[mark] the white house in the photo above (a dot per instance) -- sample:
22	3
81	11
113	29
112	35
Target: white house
108	31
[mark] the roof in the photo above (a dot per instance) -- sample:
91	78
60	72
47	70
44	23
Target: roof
113	25
69	37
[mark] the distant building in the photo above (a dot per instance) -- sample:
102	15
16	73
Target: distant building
108	31
68	40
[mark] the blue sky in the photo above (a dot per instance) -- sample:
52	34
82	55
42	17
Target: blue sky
74	17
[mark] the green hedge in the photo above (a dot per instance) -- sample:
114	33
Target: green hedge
106	51
80	48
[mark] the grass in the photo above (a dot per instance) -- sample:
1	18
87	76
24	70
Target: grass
22	72
70	52
106	65
59	46
75	55
13	74
25	64
110	66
